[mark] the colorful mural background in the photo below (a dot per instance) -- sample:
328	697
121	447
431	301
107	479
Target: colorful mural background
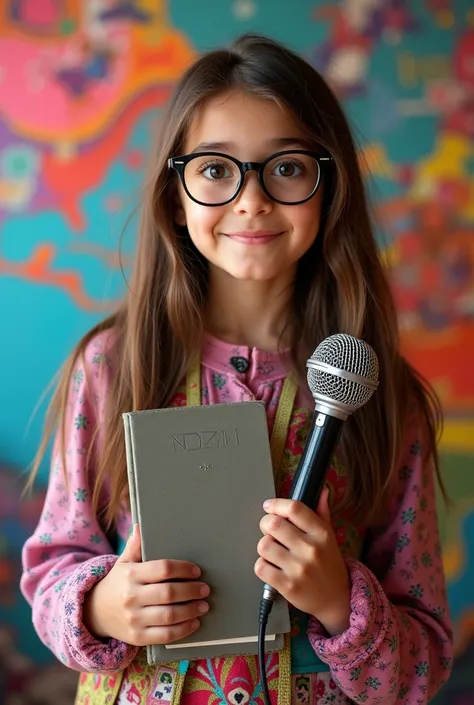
81	87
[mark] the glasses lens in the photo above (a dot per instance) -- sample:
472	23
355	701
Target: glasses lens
211	179
291	177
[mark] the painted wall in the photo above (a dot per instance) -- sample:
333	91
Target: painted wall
81	84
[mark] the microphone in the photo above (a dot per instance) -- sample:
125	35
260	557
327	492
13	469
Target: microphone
342	376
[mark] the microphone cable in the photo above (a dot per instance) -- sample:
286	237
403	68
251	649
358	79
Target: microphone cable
265	609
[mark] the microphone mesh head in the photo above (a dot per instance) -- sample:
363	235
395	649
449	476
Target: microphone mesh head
348	354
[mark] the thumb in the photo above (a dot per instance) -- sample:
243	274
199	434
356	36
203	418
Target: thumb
323	506
132	553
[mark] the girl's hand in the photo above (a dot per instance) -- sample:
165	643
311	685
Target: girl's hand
140	604
300	558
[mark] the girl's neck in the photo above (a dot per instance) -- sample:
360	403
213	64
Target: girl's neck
251	313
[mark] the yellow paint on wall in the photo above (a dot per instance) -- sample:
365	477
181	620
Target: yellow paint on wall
447	162
458	436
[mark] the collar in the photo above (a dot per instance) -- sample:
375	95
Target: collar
245	363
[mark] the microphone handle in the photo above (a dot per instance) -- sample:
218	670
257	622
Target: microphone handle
315	462
313	467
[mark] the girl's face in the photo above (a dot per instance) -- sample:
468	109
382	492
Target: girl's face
252	237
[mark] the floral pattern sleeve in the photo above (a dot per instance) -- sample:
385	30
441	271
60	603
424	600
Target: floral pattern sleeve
69	552
398	648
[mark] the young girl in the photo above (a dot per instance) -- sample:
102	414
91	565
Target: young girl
255	244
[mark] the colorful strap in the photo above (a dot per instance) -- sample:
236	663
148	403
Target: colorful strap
193	384
282	424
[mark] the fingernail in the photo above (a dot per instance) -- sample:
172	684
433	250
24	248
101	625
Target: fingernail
196	571
195	624
266	504
205	590
203	607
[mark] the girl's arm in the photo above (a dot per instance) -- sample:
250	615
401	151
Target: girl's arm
398	648
69	551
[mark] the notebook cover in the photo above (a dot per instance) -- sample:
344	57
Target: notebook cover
198	476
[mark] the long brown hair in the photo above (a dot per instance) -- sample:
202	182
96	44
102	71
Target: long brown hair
341	285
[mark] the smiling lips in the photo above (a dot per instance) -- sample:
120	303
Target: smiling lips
254	237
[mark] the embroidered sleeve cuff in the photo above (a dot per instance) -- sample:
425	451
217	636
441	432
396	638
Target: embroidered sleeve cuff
90	654
369	622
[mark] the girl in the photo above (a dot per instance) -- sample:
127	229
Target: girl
255	244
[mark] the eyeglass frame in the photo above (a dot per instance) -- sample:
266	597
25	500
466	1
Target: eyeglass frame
179	165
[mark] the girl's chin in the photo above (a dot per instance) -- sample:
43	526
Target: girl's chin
248	271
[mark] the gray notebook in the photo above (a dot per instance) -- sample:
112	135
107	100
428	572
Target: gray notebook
198	476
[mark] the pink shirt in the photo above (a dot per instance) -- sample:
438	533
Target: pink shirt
398	648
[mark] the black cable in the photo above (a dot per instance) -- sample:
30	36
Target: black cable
265	609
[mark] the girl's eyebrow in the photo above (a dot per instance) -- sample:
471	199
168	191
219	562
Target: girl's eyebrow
277	143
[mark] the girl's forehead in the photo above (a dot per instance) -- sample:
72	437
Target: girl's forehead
240	119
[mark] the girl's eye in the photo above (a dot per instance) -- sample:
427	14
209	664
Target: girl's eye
287	169
215	171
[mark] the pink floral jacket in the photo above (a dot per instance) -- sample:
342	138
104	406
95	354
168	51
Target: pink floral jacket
398	648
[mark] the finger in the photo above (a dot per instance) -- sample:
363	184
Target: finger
284	532
170	615
323	506
269	574
132	553
272	552
170	593
167	635
301	516
166	570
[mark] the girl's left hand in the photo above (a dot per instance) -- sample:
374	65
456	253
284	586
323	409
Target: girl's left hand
300	558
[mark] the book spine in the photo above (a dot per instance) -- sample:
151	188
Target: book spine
133	493
132	485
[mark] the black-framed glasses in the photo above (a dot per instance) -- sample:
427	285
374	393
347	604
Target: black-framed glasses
214	179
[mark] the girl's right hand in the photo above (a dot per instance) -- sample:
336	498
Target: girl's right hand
140	604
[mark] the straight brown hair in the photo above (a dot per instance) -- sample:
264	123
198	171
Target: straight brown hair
341	287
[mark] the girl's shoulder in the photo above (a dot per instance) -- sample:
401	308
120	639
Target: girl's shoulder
101	350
